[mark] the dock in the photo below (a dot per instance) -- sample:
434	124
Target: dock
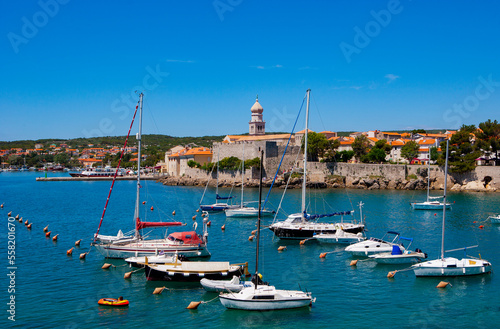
70	179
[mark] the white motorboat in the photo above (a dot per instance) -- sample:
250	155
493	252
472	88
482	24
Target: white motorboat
400	255
260	296
494	219
449	266
373	245
189	244
233	285
339	237
161	258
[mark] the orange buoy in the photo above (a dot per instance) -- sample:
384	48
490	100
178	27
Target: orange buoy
10	213
17	216
223	227
481	226
281	248
353	262
474	222
391	274
442	284
209	223
1	206
158	290
127	275
77	243
194	217
202	215
106	266
152	208
322	255
302	242
254	231
193	305
82	256
20	220
250	238
55	237
69	252
197	210
143	202
48	234
46	228
435	214
26	222
28	226
173	213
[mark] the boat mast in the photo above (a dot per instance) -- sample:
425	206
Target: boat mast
304	177
138	137
217	184
428	175
258	222
444	200
242	173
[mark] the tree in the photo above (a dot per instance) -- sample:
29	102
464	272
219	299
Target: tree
193	164
379	151
61	158
344	156
361	146
489	137
409	151
317	144
331	151
462	153
434	155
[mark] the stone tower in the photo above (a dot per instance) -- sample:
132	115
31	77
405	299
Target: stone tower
257	126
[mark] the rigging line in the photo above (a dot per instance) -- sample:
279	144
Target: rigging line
116	173
283	156
206	186
319	114
150	112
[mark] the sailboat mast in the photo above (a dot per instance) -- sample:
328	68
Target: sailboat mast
242	173
217	184
138	137
444	200
258	221
304	177
428	174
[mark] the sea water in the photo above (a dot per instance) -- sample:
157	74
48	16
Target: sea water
53	290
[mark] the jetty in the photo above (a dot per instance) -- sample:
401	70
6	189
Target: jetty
68	179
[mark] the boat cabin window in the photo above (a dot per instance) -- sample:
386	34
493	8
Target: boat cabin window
264	297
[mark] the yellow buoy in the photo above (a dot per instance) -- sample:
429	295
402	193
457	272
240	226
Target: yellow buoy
55	237
322	255
46	228
250	238
442	284
127	275
193	305
106	266
82	256
158	290
48	234
391	274
77	243
281	248
353	262
69	252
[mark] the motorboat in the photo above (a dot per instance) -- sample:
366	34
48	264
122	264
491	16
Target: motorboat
373	245
494	219
340	237
400	254
233	285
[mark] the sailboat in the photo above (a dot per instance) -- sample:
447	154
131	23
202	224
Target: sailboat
260	296
432	202
217	206
450	266
188	244
303	225
244	210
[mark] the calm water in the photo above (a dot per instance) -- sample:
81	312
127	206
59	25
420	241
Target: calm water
53	290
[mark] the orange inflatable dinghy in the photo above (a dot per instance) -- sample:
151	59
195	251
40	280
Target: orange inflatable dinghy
113	302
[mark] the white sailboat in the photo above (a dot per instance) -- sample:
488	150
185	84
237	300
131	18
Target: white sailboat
341	236
188	244
245	211
303	225
432	202
259	296
450	266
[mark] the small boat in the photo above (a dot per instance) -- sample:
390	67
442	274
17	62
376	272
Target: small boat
400	255
233	285
192	271
431	203
340	237
494	219
248	212
97	172
258	295
373	245
161	258
449	266
113	302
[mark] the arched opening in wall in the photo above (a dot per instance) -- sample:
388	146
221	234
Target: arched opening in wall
487	180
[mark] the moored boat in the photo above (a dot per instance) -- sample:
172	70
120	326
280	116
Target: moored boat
233	285
192	271
373	245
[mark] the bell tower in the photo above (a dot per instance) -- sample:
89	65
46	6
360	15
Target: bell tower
257	126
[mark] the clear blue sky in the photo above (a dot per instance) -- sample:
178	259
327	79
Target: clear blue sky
69	70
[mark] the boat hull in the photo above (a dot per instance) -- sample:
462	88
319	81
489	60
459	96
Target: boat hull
451	267
247	213
263	305
308	231
150	249
429	206
398	259
174	275
217	207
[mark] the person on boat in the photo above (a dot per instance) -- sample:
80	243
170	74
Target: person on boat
120	298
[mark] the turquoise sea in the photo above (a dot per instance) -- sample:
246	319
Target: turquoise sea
53	290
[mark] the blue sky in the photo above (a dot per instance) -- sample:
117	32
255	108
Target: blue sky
69	68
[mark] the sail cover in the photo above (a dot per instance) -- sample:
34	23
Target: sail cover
218	197
340	213
140	225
